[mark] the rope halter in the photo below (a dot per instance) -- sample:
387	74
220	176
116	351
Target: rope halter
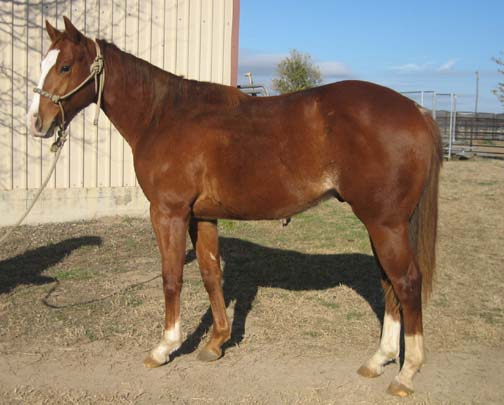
97	72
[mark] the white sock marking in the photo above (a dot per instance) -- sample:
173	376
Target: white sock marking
413	359
170	341
48	62
389	344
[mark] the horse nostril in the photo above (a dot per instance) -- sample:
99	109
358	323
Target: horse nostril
38	122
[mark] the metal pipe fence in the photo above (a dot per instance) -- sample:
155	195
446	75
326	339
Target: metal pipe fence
463	133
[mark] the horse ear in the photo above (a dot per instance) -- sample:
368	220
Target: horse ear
73	33
53	33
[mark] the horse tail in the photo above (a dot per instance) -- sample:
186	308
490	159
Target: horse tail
423	222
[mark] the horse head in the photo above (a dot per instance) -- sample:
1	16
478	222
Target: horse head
65	68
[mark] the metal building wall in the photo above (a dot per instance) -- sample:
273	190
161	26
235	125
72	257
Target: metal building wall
194	38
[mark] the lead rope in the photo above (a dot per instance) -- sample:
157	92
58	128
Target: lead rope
96	68
56	147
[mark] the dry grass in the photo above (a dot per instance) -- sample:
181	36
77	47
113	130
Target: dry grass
311	288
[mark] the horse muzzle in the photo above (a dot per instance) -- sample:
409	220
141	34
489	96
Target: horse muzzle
37	127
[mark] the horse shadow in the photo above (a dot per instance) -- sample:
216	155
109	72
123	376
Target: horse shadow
27	267
249	266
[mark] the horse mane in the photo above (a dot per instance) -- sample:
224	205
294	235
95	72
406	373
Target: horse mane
165	89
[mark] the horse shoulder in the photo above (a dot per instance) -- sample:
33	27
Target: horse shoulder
165	167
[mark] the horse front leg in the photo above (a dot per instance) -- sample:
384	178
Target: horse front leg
170	227
205	238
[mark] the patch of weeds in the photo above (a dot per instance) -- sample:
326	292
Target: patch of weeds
312	333
60	316
127	220
328	304
193	282
441	301
492	316
78	273
131	243
90	335
227	225
307	216
133	301
84	249
354	316
112	329
119	269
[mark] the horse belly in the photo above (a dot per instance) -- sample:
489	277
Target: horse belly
268	199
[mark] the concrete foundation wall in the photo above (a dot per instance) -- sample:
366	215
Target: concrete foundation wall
62	205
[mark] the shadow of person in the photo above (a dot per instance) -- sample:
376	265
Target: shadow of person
249	266
27	267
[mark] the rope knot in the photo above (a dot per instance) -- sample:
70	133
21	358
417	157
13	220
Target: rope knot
60	141
54	98
97	65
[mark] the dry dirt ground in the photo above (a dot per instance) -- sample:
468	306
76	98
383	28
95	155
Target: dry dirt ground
81	304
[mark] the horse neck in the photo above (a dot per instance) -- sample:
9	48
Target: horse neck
135	93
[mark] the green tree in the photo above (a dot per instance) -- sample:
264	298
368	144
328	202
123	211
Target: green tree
296	72
499	91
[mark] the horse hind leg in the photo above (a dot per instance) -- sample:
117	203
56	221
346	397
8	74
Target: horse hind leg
394	252
389	348
205	239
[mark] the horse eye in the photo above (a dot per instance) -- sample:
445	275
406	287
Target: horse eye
65	69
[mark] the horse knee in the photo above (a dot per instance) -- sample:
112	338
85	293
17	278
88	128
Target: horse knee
171	284
408	287
211	279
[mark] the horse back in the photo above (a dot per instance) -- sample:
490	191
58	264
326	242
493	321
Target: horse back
264	158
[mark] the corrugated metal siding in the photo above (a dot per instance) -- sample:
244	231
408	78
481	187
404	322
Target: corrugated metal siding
187	37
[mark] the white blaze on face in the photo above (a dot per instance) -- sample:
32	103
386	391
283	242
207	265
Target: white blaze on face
48	62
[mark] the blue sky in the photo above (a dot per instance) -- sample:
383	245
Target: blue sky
405	45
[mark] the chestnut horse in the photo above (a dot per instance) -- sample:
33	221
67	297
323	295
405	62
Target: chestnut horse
205	151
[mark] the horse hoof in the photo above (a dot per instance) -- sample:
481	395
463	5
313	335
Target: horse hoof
149	362
399	390
367	372
208	355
